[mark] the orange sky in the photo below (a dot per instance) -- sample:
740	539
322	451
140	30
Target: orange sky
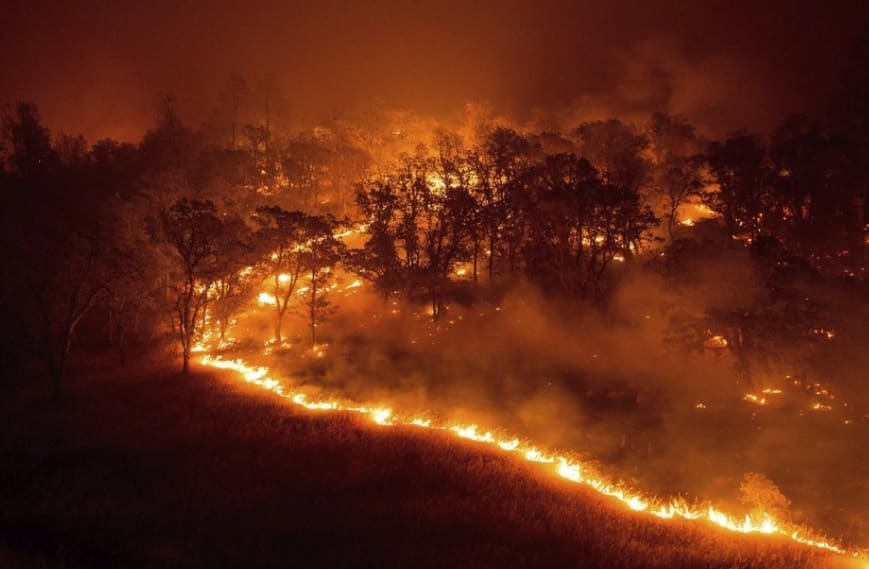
98	67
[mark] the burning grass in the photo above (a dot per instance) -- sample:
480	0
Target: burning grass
149	469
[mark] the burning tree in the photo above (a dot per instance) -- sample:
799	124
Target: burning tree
445	238
561	225
616	150
679	179
739	167
194	233
762	494
320	254
281	236
234	256
306	163
377	261
498	169
578	225
423	221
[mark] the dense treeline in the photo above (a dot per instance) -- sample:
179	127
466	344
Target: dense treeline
141	243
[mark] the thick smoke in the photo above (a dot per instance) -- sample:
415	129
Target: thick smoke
656	76
612	384
96	68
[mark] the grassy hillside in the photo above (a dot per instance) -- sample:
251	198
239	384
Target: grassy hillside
149	469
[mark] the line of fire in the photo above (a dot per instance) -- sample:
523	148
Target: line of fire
640	316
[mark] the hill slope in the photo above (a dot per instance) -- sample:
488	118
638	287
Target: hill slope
147	468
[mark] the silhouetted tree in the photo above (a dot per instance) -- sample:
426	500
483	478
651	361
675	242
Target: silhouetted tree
171	145
31	154
194	232
498	169
816	179
306	166
670	135
679	180
561	222
739	167
228	113
377	261
132	295
426	222
616	150
320	253
281	236
235	259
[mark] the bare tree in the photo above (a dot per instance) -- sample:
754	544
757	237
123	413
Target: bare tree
65	279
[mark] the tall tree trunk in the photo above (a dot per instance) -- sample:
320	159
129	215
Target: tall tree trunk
491	261
278	318
313	328
435	302
222	323
476	260
671	224
313	314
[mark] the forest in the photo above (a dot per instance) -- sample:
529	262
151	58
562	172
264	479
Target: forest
683	311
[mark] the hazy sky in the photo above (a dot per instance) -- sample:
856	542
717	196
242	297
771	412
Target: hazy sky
98	67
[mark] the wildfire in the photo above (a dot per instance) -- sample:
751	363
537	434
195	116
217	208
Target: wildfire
828	334
462	270
561	464
265	298
756	399
691	213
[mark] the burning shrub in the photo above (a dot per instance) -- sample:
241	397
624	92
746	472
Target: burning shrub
762	494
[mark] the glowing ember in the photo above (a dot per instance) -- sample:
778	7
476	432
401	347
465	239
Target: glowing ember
716	343
382	416
509	445
265	298
756	399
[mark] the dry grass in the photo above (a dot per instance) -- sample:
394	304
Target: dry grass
149	469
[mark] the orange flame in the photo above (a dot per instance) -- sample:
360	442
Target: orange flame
565	466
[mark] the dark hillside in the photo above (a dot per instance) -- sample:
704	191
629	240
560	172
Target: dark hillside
150	469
